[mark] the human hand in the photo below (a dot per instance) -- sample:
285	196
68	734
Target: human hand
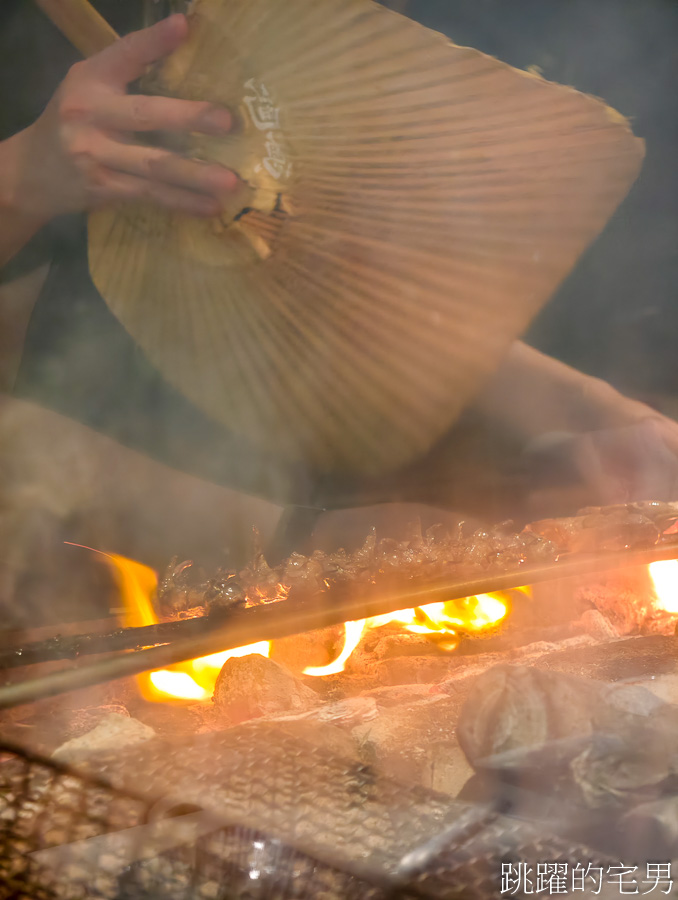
543	440
634	462
83	152
579	442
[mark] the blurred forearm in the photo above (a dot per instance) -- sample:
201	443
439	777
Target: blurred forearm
534	394
583	443
542	439
18	220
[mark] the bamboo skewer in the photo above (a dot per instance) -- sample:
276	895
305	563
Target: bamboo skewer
80	23
74	646
291	616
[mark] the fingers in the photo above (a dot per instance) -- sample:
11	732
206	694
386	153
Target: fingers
626	464
116	186
653	462
161	165
91	114
129	57
665	429
135	112
597	471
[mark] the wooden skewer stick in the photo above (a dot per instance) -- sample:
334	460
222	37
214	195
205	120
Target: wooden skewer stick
78	21
76	645
292	616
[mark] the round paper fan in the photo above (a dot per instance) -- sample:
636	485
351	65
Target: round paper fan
406	207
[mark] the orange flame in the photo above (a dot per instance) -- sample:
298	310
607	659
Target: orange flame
191	680
470	615
194	680
353	633
664	575
179	685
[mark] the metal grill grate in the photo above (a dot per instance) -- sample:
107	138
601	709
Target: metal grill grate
66	836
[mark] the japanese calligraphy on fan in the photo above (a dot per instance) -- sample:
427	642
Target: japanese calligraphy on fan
265	116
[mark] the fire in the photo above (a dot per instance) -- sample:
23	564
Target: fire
353	633
177	684
445	620
137	584
191	680
664	577
194	680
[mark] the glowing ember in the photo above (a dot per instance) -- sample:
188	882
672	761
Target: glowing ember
195	679
177	684
205	670
664	577
216	660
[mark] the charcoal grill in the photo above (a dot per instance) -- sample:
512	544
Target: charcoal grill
270	819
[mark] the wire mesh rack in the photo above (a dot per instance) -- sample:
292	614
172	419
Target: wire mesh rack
65	835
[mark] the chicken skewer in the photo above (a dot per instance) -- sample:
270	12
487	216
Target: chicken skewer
294	616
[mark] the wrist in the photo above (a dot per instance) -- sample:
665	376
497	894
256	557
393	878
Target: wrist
21	212
21	195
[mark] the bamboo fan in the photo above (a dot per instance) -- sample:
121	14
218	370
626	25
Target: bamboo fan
406	208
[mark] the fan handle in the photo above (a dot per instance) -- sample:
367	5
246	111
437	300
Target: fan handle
78	21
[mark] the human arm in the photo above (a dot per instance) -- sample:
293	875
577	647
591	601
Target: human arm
583	442
548	439
17	223
542	439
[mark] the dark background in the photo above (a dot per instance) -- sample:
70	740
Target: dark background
617	314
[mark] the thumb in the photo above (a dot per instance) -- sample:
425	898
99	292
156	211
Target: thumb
129	57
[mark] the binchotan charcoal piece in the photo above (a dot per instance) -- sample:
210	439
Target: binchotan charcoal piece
340	714
250	687
628	601
635	658
415	742
602	745
113	732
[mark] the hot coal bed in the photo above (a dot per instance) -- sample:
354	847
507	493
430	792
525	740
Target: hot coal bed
514	742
